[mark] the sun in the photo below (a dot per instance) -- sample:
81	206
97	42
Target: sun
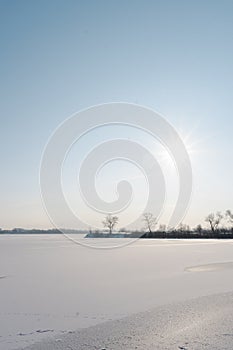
192	144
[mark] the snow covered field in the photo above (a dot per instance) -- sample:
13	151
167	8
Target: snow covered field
50	287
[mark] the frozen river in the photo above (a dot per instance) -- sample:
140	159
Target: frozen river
50	286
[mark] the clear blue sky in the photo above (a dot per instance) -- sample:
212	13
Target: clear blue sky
58	57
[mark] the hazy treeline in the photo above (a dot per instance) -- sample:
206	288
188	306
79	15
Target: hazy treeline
40	231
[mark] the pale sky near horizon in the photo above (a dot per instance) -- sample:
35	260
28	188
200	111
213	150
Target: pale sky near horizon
58	57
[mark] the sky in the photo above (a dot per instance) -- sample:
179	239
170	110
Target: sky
58	57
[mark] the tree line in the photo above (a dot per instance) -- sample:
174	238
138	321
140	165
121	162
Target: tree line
219	226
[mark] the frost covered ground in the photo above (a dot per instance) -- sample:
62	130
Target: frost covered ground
50	287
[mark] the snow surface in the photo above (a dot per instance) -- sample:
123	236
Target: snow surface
50	286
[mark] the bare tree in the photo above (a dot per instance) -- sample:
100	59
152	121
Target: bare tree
198	229
110	222
214	220
183	228
162	228
150	221
229	216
